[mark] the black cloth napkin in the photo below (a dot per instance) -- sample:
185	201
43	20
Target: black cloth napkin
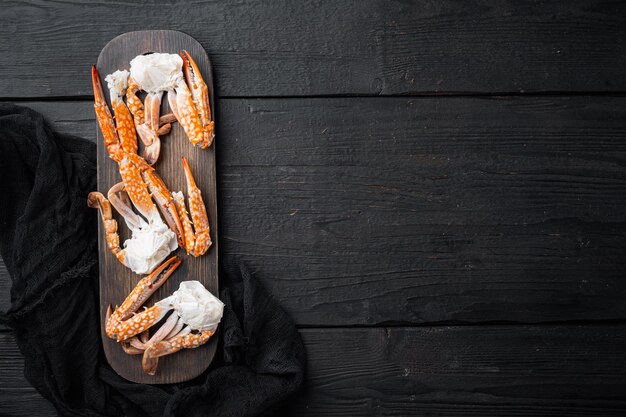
48	242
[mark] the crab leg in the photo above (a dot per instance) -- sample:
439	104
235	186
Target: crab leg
172	101
136	344
183	215
119	199
176	330
134	103
124	123
201	236
165	202
122	324
130	349
105	120
125	127
107	126
167	347
139	322
137	190
151	142
166	119
165	329
97	200
164	129
135	341
200	95
143	119
139	177
148	130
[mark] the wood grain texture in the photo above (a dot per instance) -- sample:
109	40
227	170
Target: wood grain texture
17	396
365	211
364	47
117	281
449	371
427	210
5	290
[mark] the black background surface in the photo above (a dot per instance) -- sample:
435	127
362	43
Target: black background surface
445	179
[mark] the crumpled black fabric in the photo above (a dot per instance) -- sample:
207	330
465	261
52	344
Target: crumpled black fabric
48	242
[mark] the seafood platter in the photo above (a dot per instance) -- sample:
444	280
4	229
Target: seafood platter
157	203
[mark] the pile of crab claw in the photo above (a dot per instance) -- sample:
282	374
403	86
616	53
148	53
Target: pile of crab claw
157	229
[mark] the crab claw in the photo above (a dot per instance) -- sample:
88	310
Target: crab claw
98	201
182	106
200	96
198	213
122	324
105	120
196	242
124	124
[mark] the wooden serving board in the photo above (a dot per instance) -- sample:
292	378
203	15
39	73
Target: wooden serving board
116	281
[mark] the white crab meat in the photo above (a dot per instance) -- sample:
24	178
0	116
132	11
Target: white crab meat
149	246
156	72
195	305
117	83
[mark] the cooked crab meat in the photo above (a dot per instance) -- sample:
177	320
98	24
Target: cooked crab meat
194	314
151	240
154	74
192	303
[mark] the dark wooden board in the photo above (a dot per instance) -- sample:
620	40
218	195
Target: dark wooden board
117	281
364	211
365	47
452	371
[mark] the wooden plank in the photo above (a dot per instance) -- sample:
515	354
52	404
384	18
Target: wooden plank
465	371
368	47
117	281
397	210
452	371
17	396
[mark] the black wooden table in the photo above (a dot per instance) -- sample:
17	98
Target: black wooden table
436	191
